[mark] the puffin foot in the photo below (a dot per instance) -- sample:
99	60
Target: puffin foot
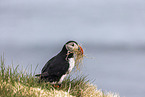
57	85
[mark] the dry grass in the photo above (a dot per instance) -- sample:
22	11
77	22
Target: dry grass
78	59
20	90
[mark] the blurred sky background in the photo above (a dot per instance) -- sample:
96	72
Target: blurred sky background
112	33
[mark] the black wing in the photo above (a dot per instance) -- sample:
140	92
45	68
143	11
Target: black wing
56	66
47	65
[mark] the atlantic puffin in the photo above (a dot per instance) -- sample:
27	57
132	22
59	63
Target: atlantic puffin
58	67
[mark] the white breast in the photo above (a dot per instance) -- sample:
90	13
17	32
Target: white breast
71	64
62	78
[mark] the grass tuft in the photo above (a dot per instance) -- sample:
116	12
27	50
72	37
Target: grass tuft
22	84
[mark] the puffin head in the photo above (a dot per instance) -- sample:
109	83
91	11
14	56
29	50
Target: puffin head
73	47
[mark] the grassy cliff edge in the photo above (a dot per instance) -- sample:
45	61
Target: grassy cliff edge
14	83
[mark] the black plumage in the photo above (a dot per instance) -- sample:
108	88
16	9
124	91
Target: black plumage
59	65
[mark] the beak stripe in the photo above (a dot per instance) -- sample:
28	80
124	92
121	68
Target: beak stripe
81	49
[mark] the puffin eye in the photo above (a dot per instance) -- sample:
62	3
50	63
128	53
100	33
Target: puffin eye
72	44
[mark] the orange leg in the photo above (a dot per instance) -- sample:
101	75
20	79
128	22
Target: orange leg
56	86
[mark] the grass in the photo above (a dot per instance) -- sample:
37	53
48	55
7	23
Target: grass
22	84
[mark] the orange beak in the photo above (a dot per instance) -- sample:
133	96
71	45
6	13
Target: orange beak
80	49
